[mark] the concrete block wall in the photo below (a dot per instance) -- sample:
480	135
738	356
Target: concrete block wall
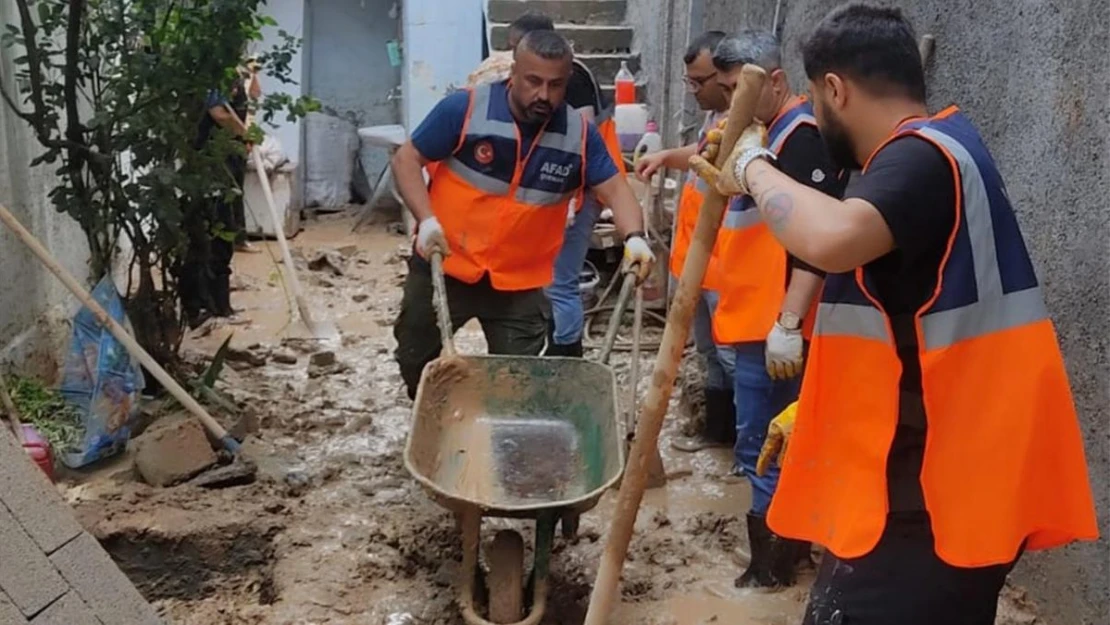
51	571
1032	76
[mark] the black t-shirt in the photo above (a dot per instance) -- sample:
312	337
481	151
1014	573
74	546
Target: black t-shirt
805	159
582	92
913	186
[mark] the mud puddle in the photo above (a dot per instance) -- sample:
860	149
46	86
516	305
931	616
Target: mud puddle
357	542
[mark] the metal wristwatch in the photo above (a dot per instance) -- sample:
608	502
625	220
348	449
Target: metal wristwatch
745	159
790	321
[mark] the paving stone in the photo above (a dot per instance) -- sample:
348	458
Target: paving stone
32	499
101	585
26	575
69	610
8	612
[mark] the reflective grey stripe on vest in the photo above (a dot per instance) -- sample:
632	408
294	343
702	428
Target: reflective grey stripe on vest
994	310
780	140
480	124
856	320
738	220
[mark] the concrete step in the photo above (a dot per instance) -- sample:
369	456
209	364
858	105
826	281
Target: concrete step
605	66
586	38
569	11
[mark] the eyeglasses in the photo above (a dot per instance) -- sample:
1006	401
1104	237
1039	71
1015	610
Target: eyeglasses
695	83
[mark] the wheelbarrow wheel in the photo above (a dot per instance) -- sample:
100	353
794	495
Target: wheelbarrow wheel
506	577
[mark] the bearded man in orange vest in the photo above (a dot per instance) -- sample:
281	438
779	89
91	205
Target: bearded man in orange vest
512	158
936	439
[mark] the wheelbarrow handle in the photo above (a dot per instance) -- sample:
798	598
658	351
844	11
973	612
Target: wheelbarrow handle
627	287
439	298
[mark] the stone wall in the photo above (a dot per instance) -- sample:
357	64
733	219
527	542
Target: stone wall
1032	75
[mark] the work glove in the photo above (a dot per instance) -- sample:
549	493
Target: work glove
638	257
430	238
778	437
572	210
784	352
725	179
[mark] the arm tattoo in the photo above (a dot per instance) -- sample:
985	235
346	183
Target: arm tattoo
776	209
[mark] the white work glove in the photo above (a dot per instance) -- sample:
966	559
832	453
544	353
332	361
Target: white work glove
430	238
784	353
572	210
638	257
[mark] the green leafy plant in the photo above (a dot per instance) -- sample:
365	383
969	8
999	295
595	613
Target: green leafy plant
46	409
114	91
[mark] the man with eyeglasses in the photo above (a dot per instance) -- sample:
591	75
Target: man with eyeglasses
701	81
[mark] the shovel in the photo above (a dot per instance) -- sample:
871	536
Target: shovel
118	331
675	333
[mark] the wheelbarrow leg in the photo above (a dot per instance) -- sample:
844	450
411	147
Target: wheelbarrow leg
569	524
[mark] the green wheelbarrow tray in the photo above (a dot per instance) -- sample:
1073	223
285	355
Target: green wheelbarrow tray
523	437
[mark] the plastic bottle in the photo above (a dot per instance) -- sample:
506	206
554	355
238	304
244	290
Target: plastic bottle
651	142
625	84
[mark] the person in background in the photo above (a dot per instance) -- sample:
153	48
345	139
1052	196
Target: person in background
205	278
512	157
936	438
701	80
766	293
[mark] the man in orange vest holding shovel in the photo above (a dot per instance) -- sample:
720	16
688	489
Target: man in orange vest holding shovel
701	79
766	294
512	157
936	438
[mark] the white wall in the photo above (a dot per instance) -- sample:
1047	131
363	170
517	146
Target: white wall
34	306
442	45
290	16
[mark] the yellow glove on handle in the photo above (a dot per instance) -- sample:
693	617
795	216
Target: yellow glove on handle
724	179
778	437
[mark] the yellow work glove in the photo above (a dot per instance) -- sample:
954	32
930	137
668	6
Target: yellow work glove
724	179
778	437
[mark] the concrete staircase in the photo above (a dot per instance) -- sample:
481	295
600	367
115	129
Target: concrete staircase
596	29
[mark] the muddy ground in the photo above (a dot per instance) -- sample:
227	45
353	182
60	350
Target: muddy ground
349	537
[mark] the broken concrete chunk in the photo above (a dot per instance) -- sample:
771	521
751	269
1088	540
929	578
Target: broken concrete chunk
322	359
238	473
328	261
284	356
173	453
246	356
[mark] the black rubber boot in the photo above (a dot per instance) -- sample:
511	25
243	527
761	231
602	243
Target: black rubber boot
758	574
784	561
574	350
720	417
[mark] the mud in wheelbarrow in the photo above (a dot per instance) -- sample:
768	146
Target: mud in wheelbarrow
519	437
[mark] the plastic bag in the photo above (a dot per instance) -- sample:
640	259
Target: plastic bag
102	380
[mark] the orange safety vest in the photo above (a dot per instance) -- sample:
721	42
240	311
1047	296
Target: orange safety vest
754	284
504	212
1004	462
686	219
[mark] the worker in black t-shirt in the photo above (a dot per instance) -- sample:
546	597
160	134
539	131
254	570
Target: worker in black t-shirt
936	438
765	294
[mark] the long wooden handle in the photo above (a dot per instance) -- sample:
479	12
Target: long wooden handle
654	408
443	311
118	331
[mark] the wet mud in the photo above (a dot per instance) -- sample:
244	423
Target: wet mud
353	539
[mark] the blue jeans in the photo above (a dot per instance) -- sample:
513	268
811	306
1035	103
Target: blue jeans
566	299
718	358
758	400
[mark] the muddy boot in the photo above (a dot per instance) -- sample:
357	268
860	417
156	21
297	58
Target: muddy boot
803	559
761	544
784	560
720	424
574	350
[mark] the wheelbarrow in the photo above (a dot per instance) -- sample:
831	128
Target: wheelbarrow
522	437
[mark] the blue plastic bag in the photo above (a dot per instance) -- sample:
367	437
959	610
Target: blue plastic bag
102	380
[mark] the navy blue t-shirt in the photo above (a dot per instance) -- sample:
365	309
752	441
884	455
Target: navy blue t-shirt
438	135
